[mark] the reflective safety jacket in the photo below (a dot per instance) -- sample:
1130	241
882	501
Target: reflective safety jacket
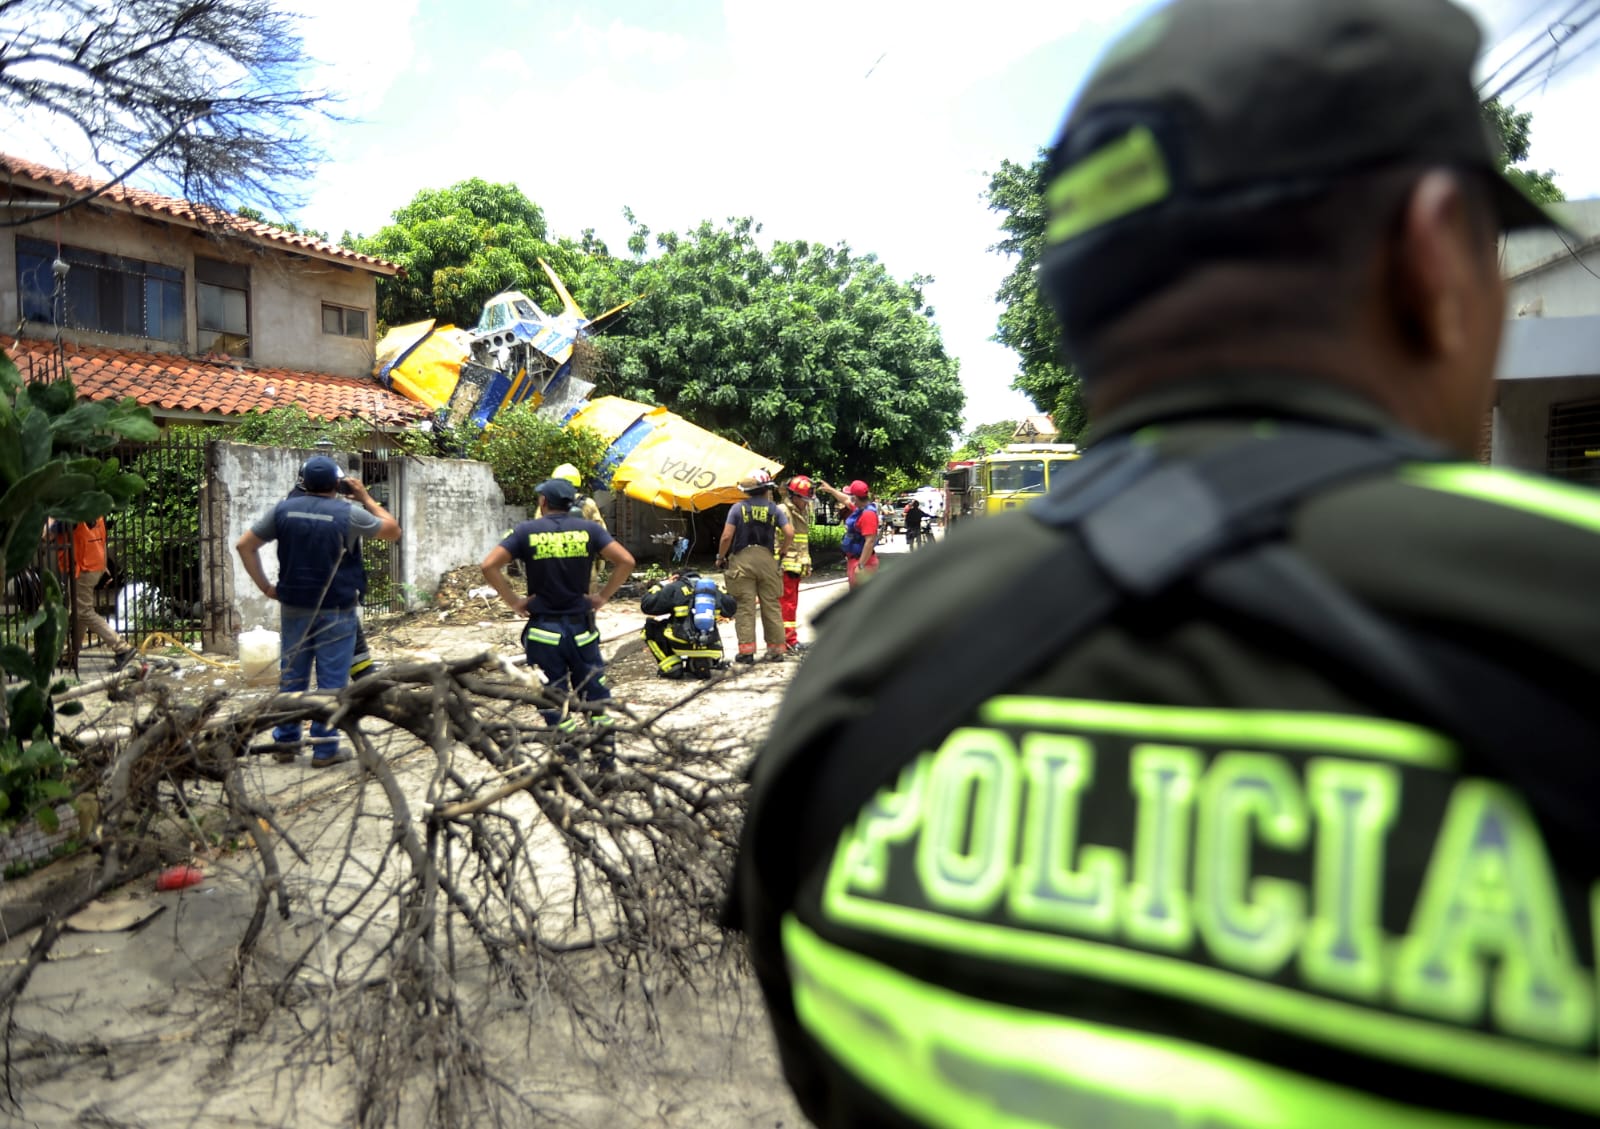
798	558
1220	859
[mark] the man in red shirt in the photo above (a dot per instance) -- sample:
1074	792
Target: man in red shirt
87	563
860	542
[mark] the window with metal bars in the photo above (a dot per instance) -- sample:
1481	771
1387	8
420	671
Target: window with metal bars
102	292
1573	443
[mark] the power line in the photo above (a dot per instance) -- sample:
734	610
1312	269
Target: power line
1527	19
1577	258
1561	65
1574	27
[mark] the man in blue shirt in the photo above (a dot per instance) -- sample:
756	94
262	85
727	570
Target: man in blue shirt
319	584
556	550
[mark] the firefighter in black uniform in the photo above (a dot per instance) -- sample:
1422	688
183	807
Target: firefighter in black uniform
1281	811
561	638
681	634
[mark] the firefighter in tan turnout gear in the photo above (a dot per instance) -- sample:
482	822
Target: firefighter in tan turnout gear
796	563
757	533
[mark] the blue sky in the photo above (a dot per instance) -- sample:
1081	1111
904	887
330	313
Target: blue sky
714	108
686	110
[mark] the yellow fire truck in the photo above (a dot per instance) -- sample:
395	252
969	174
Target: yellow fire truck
1011	477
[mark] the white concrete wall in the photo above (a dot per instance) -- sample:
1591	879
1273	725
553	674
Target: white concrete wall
1561	289
1522	417
286	290
453	513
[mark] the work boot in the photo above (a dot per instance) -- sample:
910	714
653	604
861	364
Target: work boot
745	660
796	648
774	656
676	673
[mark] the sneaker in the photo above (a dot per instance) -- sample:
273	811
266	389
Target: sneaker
122	658
745	660
328	760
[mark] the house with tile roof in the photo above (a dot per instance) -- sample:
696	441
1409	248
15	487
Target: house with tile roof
198	314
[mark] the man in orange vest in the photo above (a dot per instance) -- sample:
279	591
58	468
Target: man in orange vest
87	564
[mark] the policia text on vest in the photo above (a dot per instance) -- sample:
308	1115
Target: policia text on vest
1266	877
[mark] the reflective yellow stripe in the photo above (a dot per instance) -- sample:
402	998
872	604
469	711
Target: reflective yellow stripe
953	1061
570	725
539	635
1120	178
586	638
1560	501
1371	736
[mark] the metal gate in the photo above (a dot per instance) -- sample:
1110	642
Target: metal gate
383	474
1573	445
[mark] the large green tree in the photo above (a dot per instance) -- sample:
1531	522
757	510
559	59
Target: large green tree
985	439
462	245
806	352
1515	132
1028	327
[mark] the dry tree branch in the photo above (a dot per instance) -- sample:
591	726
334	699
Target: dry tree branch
491	861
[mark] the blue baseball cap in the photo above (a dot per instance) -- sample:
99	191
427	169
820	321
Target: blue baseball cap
320	474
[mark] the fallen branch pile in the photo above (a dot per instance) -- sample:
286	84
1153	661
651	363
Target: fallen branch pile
494	864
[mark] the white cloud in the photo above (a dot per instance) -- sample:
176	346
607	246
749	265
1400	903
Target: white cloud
622	44
357	48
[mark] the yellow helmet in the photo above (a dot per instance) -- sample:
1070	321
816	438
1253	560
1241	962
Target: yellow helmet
568	472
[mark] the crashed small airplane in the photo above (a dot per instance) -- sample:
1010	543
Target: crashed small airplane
518	352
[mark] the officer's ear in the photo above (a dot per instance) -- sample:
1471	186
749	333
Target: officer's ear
1439	267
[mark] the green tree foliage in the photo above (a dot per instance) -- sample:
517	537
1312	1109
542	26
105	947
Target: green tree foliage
986	438
48	468
1515	132
1027	325
810	354
462	245
258	216
522	448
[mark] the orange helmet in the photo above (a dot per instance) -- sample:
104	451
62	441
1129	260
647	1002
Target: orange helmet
800	485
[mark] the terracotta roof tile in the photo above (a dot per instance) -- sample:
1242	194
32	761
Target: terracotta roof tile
14	169
220	387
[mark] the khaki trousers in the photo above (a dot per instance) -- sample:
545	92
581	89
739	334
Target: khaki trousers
754	578
88	619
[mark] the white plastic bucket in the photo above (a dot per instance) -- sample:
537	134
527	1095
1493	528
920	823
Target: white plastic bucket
258	655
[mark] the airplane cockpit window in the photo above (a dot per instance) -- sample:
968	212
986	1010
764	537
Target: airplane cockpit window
527	311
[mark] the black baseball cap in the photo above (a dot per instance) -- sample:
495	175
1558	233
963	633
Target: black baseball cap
1242	102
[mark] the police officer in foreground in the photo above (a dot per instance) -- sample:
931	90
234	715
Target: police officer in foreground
1280	808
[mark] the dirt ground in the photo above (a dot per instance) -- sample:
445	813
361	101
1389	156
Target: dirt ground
139	1017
